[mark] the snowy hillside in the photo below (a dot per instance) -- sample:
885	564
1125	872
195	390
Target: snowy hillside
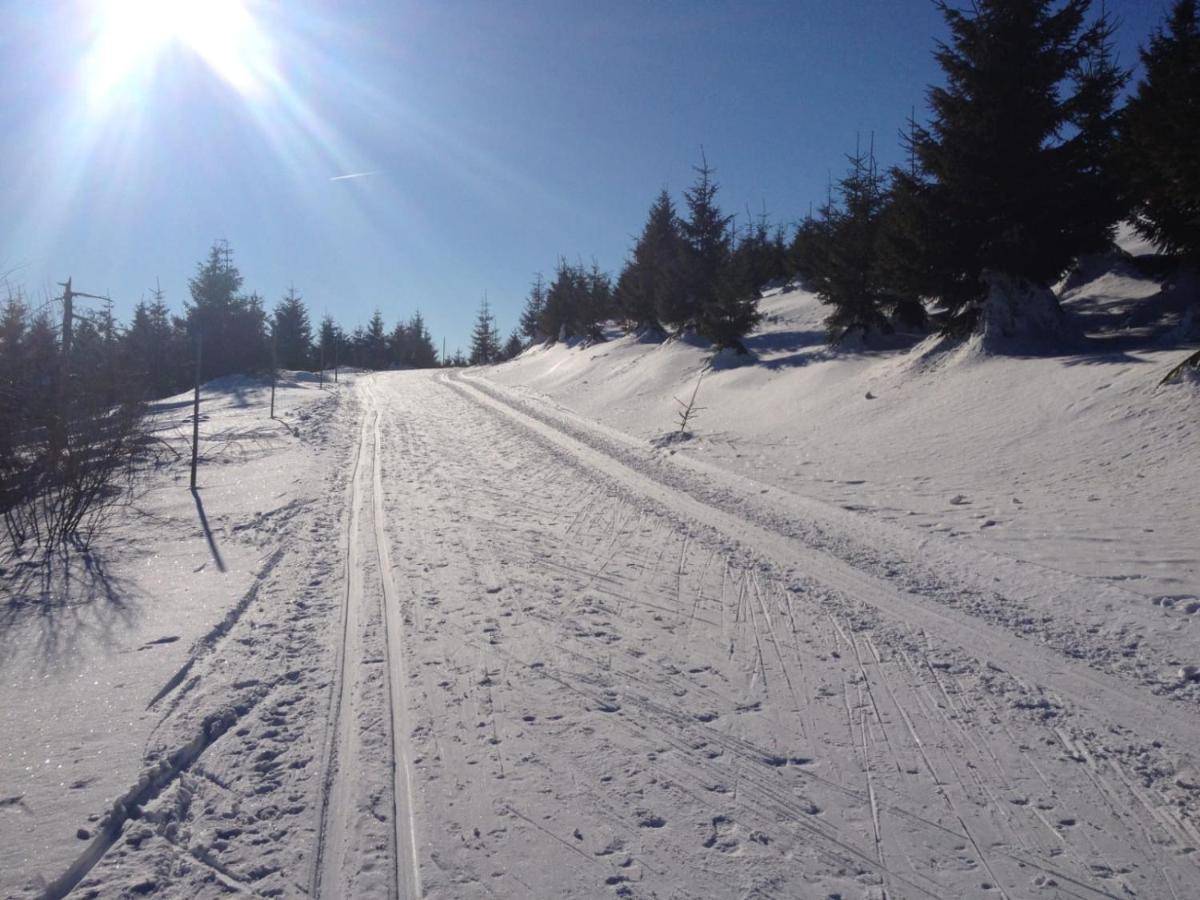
887	624
1076	461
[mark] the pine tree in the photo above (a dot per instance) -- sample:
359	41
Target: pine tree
485	342
231	326
14	384
154	350
566	298
424	353
1161	136
707	241
1099	199
401	347
732	312
650	286
597	305
909	237
356	348
291	332
374	344
760	257
846	271
1002	187
531	315
332	347
513	346
808	244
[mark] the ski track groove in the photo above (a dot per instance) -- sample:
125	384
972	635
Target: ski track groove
982	751
336	863
552	660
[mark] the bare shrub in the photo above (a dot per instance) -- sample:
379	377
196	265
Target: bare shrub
52	496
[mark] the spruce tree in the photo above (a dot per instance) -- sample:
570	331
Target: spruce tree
291	332
650	287
531	315
14	385
233	327
846	273
760	256
211	314
401	346
732	310
1098	198
1001	185
356	347
566	298
485	342
708	244
154	349
331	346
374	344
597	305
513	346
424	353
1161	136
808	244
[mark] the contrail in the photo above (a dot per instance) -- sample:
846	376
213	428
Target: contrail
354	175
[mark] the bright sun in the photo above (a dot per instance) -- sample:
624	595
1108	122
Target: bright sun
133	37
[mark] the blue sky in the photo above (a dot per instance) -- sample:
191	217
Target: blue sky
499	135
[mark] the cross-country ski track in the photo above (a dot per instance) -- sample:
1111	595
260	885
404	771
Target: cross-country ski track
510	653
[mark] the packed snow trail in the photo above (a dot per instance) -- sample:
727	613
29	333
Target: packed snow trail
552	671
355	838
604	672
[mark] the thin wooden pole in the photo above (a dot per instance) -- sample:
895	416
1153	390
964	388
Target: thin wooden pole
58	436
196	413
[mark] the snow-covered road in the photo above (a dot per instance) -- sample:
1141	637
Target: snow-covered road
514	654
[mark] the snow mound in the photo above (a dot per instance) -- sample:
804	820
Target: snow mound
1017	319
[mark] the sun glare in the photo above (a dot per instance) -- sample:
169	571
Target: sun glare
133	38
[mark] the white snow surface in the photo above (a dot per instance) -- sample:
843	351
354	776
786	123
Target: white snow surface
917	622
1075	461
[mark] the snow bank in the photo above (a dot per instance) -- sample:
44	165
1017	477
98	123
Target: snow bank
1062	452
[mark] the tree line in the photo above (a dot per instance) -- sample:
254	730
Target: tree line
697	273
1028	161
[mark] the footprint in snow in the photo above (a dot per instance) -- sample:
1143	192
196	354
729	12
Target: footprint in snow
649	820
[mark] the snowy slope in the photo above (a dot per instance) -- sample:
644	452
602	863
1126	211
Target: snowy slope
1078	461
889	624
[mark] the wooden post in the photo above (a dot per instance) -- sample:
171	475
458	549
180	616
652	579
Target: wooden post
321	383
274	374
58	435
196	413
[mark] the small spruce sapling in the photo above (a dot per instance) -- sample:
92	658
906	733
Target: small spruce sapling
689	410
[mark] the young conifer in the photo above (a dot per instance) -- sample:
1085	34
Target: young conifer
1161	136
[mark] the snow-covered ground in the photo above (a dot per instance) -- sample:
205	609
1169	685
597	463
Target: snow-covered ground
1076	461
888	624
85	655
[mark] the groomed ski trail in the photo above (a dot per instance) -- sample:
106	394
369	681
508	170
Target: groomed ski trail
350	854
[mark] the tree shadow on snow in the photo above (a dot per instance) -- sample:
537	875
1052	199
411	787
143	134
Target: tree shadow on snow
806	347
54	605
